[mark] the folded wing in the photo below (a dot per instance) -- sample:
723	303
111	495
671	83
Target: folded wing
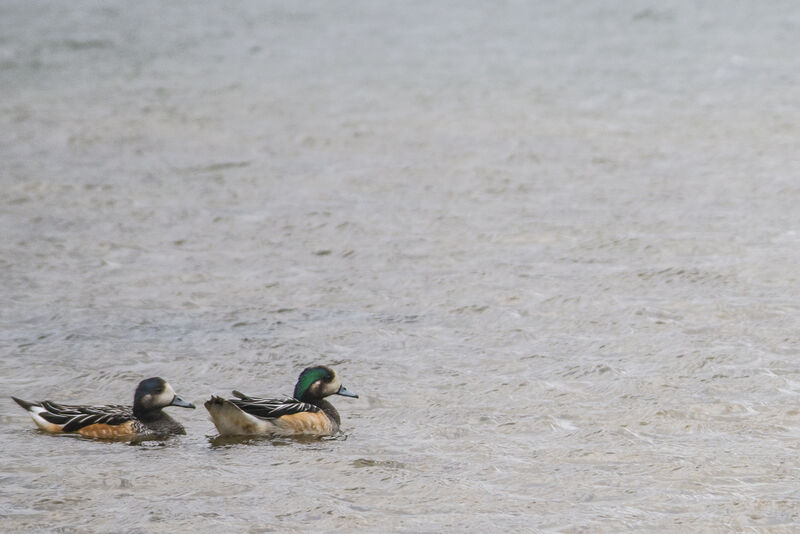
271	408
72	418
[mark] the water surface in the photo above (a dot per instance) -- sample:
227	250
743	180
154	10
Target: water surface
553	246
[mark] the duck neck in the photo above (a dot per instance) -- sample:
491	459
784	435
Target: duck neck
145	416
325	406
158	421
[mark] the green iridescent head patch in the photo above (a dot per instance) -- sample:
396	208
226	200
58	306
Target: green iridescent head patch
308	377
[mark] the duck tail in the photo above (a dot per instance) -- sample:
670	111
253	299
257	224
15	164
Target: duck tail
25	404
230	420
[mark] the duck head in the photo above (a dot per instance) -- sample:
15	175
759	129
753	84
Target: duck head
318	382
155	393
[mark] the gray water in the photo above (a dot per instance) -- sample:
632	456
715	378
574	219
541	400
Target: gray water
554	246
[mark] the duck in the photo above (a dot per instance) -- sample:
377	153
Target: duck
306	413
112	420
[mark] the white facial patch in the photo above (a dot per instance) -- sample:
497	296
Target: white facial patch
165	397
332	387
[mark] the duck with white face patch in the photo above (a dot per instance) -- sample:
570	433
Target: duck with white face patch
113	420
307	413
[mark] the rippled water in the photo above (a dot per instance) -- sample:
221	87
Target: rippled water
554	246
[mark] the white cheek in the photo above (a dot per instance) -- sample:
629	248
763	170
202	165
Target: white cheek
165	397
333	386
